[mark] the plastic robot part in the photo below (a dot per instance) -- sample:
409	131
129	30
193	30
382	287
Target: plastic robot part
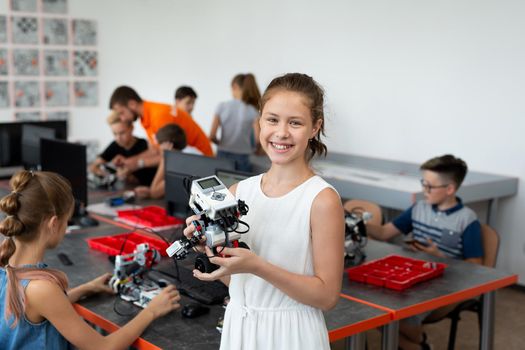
128	276
355	235
218	224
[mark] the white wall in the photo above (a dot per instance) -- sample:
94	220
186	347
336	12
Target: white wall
405	80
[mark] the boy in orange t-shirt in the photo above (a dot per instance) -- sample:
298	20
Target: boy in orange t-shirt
127	103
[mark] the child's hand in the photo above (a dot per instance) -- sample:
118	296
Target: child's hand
142	192
239	260
100	284
431	248
122	173
190	228
118	160
165	302
98	170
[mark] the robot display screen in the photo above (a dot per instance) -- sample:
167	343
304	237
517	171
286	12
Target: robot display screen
205	184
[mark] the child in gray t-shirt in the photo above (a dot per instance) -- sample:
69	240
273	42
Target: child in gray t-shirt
237	120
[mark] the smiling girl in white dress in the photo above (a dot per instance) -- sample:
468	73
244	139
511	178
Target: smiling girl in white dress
293	270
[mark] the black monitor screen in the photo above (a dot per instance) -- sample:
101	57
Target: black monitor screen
179	166
176	195
11	139
231	177
10	152
31	135
68	160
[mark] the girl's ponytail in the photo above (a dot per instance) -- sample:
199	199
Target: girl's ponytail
35	197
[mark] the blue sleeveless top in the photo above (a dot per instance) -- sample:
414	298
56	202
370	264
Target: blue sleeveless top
27	335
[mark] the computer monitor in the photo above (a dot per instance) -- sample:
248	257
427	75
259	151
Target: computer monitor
11	140
68	160
10	134
179	166
31	136
231	177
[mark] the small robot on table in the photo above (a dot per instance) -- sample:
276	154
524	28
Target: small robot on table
128	278
355	235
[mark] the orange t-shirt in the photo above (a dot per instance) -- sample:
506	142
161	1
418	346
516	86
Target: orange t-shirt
156	115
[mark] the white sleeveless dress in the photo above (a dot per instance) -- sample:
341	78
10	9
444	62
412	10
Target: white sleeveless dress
260	316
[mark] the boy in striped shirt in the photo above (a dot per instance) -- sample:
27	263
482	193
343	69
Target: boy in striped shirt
441	225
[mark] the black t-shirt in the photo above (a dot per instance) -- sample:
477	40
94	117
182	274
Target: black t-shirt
145	175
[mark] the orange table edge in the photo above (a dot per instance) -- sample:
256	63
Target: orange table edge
110	327
359	327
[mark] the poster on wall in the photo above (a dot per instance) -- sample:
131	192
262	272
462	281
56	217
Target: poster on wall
45	57
4	94
24	30
86	93
25	62
57	115
55	31
54	6
3	62
56	93
84	32
85	63
3	29
56	62
27	94
23	5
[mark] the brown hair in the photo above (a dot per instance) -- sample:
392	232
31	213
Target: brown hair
250	92
114	118
314	96
35	198
122	95
172	133
185	91
452	168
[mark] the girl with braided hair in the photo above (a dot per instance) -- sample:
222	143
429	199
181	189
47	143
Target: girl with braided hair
36	310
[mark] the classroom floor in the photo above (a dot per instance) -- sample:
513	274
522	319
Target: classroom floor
509	326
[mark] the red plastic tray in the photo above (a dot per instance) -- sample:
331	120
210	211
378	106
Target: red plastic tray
395	272
112	245
152	216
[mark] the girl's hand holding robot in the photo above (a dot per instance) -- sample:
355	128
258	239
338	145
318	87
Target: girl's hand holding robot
237	260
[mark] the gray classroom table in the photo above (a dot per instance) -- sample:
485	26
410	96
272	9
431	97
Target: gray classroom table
395	184
460	281
346	321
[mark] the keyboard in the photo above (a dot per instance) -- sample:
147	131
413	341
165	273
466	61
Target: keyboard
205	292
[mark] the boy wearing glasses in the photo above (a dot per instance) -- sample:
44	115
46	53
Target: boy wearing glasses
441	225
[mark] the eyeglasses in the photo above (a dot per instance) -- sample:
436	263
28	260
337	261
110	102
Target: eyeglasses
428	188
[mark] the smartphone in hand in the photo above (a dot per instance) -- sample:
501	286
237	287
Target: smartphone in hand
412	240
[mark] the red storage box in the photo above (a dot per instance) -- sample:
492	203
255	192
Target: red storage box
152	217
112	245
395	272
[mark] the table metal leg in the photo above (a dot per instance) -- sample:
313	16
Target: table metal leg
390	339
356	342
487	321
492	211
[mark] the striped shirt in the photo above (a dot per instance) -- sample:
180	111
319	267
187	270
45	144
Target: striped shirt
456	230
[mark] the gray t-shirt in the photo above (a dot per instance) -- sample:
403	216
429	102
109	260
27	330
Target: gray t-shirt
236	126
